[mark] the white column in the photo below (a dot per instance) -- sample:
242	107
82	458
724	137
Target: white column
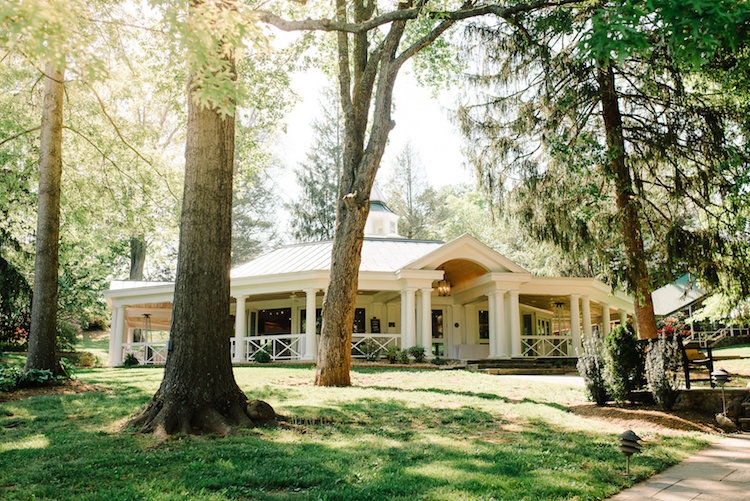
113	335
605	319
502	325
118	330
311	336
492	323
623	317
515	325
586	312
575	323
506	343
471	330
129	337
240	331
426	296
408	320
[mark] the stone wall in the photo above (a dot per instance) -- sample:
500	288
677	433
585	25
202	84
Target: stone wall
708	400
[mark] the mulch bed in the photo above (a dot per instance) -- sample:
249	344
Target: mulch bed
70	387
649	417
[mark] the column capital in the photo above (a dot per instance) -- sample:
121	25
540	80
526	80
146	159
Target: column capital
424	290
310	291
240	296
575	296
409	289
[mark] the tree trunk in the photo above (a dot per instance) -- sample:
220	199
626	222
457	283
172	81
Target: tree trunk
627	205
199	393
137	257
42	338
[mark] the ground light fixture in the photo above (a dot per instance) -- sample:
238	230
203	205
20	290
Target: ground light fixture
629	445
721	377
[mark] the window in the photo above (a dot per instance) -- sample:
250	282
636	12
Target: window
527	325
359	320
438	349
303	320
275	321
437	323
484	324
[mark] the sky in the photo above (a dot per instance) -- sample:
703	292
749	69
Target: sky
420	118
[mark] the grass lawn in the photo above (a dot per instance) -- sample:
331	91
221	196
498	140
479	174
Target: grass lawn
396	434
96	342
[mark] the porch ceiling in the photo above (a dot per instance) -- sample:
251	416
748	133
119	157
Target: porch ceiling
548	303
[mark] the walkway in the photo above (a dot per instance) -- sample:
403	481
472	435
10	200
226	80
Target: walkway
719	472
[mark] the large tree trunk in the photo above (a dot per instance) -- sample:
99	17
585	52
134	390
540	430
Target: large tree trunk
361	159
137	257
627	205
199	393
42	338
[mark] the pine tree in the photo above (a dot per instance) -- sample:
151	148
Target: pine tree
314	214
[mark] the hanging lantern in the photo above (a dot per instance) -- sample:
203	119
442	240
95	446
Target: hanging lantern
629	445
146	327
444	288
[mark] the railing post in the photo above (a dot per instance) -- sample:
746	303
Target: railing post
240	330
311	341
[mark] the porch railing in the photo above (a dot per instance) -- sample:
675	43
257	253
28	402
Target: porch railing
147	353
278	346
361	347
546	346
704	338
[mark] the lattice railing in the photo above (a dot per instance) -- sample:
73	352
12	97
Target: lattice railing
546	346
279	346
147	353
379	342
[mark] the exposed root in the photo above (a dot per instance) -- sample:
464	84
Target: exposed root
164	417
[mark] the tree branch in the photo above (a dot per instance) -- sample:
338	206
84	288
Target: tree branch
19	135
404	15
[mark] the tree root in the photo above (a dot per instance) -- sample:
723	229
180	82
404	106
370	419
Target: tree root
164	417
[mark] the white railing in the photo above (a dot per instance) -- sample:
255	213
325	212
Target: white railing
147	353
704	338
546	346
278	346
365	343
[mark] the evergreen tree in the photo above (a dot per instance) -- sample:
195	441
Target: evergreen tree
314	214
619	153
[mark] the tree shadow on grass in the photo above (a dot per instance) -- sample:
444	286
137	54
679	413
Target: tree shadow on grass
387	449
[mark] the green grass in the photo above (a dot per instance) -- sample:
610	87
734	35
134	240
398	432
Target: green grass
740	369
96	342
394	435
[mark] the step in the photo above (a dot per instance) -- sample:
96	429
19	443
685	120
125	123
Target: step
526	372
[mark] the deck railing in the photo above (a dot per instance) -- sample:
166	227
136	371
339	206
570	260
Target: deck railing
361	347
147	353
546	346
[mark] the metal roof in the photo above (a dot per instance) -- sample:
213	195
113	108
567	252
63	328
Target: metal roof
378	254
676	296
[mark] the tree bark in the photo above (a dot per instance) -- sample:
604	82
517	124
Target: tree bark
627	205
198	393
137	257
42	338
360	164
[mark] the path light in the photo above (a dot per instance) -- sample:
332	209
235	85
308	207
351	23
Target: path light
629	445
720	377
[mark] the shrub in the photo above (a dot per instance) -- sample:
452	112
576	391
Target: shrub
67	334
662	365
591	369
130	360
417	352
370	349
261	356
439	361
36	377
86	359
9	378
67	369
623	363
402	357
391	354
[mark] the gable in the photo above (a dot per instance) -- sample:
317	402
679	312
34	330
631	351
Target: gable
466	248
